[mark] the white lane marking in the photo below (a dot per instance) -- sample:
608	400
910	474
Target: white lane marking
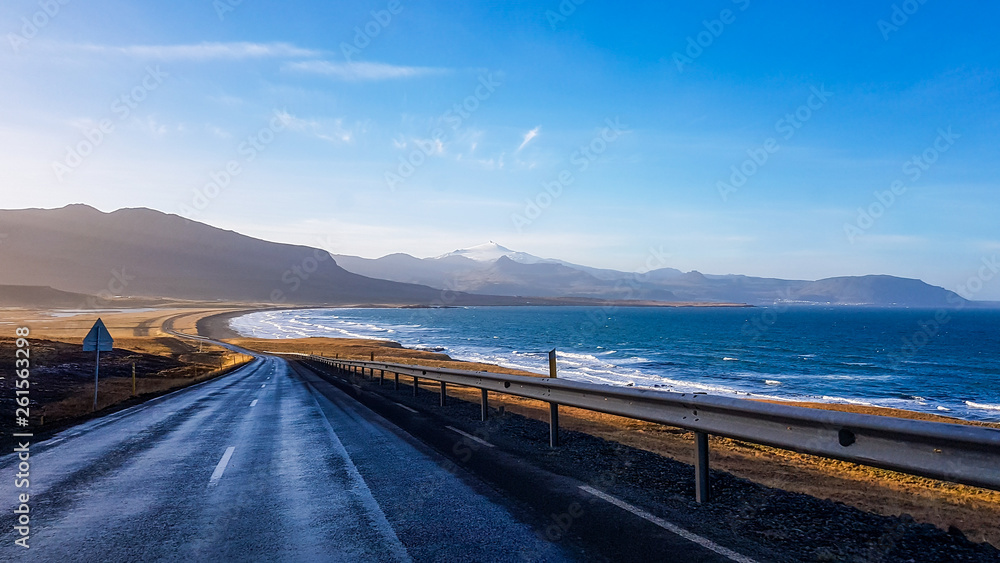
263	385
471	437
704	542
360	488
254	403
54	442
221	467
405	407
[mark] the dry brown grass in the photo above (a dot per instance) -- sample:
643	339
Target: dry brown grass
113	391
137	332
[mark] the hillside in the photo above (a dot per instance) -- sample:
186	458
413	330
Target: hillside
141	252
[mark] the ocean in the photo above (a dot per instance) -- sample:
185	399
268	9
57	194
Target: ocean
944	362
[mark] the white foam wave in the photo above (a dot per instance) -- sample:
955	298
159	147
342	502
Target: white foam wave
684	373
834	399
982	406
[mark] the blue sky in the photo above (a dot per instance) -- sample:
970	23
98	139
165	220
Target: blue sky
732	136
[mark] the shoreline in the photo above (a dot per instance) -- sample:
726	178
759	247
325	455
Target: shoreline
217	326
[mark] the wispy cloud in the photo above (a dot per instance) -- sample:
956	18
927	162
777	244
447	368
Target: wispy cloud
528	137
358	72
334	133
204	51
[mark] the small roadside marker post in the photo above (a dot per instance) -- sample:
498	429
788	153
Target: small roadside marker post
133	379
553	407
97	340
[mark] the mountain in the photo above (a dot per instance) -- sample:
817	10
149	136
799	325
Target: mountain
79	253
490	252
495	269
876	290
39	296
141	252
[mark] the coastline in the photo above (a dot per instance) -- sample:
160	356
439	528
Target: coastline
217	326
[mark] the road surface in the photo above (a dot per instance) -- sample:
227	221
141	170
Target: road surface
263	464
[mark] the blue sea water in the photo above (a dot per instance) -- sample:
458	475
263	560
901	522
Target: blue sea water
943	362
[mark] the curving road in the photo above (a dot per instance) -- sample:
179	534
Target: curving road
266	463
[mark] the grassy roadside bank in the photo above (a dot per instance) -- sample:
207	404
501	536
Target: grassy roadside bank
62	375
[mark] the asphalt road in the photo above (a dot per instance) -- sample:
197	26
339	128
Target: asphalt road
266	463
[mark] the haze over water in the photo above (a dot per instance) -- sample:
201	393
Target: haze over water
884	357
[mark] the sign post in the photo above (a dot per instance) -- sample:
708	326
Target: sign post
98	340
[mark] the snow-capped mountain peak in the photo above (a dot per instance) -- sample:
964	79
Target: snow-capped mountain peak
491	251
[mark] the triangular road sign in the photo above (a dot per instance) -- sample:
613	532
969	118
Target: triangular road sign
98	339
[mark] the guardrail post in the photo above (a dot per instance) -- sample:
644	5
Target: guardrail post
553	407
444	394
416	384
553	425
381	377
485	404
395	382
701	484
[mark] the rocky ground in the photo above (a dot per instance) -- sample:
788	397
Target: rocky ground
792	526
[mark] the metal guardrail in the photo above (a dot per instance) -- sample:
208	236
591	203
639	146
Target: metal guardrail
957	453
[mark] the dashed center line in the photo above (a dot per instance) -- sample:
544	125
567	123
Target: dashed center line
221	467
404	407
471	437
253	403
704	542
263	385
